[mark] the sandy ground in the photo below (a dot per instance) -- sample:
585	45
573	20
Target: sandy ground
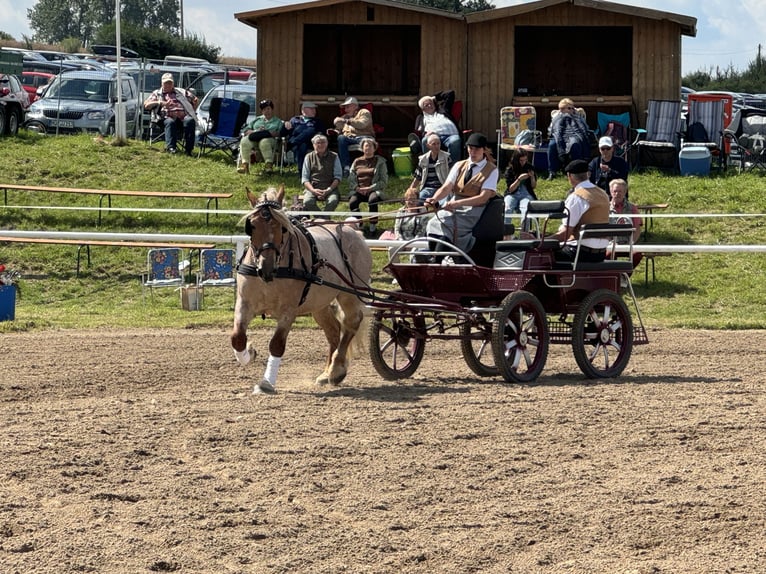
144	451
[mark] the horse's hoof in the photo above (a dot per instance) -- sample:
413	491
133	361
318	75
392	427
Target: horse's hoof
323	379
264	388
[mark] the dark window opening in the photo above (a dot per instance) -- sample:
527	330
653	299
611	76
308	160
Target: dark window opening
373	60
574	60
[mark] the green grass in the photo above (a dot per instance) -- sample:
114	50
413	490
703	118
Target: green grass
692	290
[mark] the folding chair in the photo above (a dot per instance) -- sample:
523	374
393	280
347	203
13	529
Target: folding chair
659	143
227	116
518	129
617	127
165	268
747	132
216	269
705	128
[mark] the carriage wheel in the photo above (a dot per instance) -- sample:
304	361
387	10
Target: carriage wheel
602	335
520	338
395	349
478	353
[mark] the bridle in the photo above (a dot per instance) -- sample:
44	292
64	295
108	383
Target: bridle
263	209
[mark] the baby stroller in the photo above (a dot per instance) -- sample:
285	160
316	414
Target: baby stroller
747	132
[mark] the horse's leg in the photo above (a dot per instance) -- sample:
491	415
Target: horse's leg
353	314
277	346
329	323
243	314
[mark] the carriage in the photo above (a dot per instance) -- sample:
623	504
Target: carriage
506	301
507	314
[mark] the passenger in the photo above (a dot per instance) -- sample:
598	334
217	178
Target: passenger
521	180
262	131
411	219
432	169
586	204
300	129
622	211
175	109
570	138
353	125
608	166
320	176
367	181
469	186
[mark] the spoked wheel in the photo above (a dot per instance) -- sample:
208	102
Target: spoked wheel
602	335
396	344
477	352
520	338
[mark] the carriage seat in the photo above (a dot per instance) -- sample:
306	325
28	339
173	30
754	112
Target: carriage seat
612	231
488	231
527	244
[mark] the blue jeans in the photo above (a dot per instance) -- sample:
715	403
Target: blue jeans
453	144
517	203
343	153
578	150
172	128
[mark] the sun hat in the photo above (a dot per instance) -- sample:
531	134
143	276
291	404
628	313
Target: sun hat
605	141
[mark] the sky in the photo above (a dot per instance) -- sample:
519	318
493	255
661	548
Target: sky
728	31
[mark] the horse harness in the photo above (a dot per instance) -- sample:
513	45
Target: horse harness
306	272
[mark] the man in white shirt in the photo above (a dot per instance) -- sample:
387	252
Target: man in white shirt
437	123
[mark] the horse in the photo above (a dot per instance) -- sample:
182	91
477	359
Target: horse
292	269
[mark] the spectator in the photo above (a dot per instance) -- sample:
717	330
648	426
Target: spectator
469	186
569	137
521	181
354	124
367	181
174	108
585	204
620	207
300	129
607	166
435	122
432	169
320	175
262	131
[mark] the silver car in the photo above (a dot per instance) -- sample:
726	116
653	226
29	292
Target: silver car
241	92
84	101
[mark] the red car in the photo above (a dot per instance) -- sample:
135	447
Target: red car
14	102
32	81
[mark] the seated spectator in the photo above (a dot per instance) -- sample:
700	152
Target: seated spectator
432	169
320	175
367	181
174	108
353	125
607	166
521	181
300	129
262	131
585	204
570	137
621	211
435	122
411	219
469	186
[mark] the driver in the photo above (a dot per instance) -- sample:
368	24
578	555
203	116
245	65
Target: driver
468	187
586	203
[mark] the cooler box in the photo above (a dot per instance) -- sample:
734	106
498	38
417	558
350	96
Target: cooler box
694	160
7	302
402	157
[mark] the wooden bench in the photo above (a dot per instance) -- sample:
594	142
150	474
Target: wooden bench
86	243
108	193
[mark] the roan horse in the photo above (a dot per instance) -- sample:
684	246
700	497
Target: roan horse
290	270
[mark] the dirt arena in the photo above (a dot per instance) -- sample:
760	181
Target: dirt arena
144	451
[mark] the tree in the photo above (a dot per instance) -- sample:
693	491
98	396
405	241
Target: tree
463	6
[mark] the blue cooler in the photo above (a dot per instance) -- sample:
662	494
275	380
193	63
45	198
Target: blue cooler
694	160
7	302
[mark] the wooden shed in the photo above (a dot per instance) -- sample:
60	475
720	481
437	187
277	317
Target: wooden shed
605	56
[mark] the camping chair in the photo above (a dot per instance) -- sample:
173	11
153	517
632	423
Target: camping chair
705	128
617	127
658	144
216	269
518	129
165	268
227	116
747	132
157	130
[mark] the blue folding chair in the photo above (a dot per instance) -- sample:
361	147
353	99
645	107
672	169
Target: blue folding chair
617	127
227	116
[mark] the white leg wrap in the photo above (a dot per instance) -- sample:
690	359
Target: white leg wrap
243	357
272	366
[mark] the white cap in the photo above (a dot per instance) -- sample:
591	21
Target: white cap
605	141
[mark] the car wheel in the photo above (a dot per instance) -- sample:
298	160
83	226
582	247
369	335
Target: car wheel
13	121
2	120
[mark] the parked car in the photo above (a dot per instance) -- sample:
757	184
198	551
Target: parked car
33	81
14	102
242	92
84	101
207	81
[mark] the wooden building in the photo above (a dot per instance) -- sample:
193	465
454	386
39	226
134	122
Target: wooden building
606	56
